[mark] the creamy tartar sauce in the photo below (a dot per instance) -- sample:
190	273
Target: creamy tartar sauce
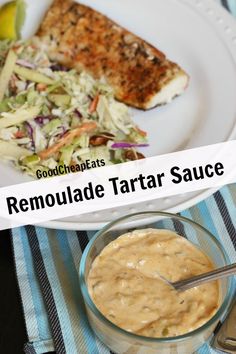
126	284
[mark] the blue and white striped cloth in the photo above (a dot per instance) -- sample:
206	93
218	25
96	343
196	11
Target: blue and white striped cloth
230	5
47	264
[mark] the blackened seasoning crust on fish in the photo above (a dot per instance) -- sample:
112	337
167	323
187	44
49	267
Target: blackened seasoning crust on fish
82	38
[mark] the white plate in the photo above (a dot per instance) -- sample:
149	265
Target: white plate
201	37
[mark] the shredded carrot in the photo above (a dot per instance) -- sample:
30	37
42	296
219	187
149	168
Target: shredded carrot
141	132
16	47
93	105
33	46
73	163
19	134
67	139
41	87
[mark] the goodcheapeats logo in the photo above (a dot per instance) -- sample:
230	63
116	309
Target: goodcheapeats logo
65	169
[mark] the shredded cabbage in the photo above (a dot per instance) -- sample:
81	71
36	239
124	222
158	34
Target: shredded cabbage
43	101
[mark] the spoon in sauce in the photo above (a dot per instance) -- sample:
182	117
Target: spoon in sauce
215	274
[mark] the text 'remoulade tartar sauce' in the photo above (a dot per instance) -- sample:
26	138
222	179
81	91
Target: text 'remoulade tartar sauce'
125	283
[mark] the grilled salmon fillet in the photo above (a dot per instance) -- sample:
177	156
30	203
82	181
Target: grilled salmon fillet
82	38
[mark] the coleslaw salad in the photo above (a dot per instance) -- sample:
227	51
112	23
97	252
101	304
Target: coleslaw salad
50	115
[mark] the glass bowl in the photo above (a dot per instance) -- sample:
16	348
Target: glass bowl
121	341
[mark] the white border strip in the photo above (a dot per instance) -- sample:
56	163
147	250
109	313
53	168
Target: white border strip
24	195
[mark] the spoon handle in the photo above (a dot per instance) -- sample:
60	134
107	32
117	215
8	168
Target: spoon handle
205	277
